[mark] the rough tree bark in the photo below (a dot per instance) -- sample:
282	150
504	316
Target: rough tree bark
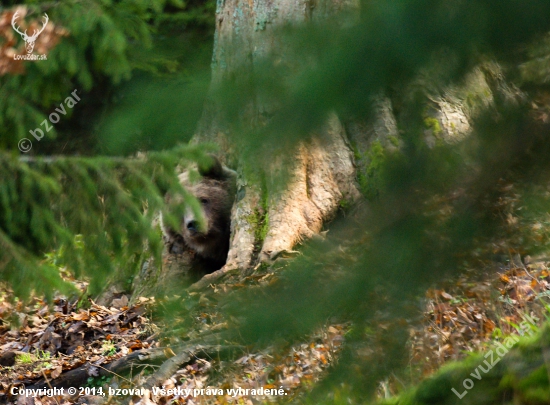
321	171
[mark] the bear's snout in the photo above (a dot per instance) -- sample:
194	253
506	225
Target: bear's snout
192	226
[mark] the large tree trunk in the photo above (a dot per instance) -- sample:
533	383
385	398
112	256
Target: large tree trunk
269	219
320	172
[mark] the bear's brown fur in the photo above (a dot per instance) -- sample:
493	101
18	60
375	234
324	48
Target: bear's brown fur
216	192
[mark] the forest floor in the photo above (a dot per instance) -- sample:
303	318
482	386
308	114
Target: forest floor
51	341
106	352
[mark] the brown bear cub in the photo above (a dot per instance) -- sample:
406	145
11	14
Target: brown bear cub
215	191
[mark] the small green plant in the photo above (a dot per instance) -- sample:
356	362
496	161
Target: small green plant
97	382
43	355
24	358
108	348
433	124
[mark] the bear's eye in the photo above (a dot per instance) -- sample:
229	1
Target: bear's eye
203	201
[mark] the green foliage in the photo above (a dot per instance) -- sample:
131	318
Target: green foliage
105	44
401	243
519	373
25	358
146	120
95	214
99	45
117	201
97	382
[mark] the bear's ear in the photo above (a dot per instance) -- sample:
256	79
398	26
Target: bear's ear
212	169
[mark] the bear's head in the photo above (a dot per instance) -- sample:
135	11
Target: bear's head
209	239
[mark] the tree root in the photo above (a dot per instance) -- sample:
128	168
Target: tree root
210	278
78	376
